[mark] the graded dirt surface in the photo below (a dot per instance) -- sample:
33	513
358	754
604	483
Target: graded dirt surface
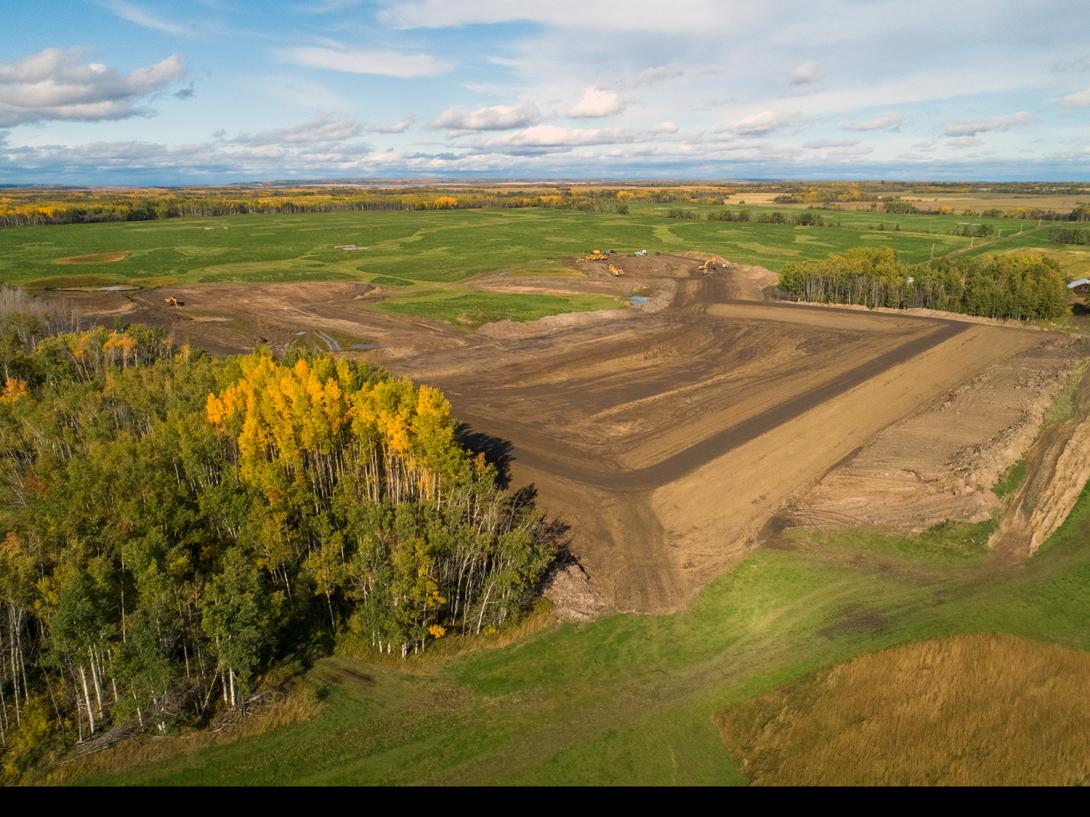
668	433
942	461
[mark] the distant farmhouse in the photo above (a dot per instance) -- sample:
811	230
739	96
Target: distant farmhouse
1080	286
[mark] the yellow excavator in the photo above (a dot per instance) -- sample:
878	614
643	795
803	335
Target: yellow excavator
707	266
615	271
173	302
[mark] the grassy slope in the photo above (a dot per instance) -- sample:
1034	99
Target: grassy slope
633	698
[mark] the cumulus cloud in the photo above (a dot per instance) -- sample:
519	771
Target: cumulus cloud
890	122
400	126
761	124
971	127
551	138
805	73
142	17
496	117
55	84
666	127
323	129
595	103
384	63
1079	99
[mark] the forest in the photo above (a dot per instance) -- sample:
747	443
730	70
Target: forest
1019	287
173	525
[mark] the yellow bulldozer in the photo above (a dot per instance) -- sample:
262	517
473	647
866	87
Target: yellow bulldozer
615	271
594	255
173	302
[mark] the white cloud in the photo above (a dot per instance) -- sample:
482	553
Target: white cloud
761	124
963	141
400	126
496	117
54	85
650	77
595	103
1079	99
541	138
142	17
971	127
385	63
681	15
666	127
805	73
324	129
822	144
891	122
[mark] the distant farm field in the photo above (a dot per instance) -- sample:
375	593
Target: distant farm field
449	246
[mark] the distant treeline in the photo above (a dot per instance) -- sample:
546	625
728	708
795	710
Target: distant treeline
1080	212
1022	287
173	524
1068	235
24	207
19	209
807	218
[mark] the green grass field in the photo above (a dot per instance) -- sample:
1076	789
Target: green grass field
403	249
633	698
451	245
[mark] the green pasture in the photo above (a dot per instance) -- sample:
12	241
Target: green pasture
447	246
631	698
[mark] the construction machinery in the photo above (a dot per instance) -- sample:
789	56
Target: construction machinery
594	255
615	271
707	266
173	302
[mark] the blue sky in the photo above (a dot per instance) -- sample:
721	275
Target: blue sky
209	91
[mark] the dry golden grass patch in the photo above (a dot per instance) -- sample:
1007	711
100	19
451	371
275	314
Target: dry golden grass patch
94	258
969	710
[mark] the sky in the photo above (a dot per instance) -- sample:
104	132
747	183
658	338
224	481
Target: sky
218	91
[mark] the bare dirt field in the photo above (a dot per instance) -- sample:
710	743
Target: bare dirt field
667	434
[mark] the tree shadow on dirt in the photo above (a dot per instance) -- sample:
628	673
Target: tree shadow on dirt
496	450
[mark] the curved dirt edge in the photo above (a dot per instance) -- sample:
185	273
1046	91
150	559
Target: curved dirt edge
1058	468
